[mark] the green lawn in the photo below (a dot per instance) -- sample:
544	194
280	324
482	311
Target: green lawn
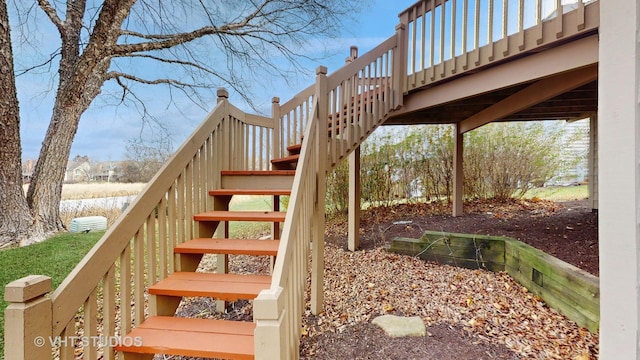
251	203
55	257
559	193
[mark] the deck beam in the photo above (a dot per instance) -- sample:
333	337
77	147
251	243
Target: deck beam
531	95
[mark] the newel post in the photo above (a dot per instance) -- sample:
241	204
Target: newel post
275	114
400	65
223	94
28	318
317	246
271	334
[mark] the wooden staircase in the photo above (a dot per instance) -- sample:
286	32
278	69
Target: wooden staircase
162	332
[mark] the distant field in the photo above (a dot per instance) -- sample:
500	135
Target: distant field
98	190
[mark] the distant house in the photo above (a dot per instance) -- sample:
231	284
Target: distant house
27	170
77	171
108	171
575	154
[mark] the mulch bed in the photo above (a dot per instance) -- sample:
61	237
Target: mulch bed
566	230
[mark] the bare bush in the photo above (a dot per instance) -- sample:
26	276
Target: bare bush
501	160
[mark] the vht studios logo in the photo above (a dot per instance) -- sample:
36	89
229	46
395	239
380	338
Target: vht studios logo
83	341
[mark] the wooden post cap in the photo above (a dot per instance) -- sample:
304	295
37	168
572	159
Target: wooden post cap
222	93
27	288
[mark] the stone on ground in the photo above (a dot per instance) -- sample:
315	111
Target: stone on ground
398	326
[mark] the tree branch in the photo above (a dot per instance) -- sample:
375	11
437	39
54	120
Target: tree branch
50	11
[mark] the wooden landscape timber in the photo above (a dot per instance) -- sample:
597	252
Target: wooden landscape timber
564	287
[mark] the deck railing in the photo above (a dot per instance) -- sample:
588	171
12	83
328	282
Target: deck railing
111	281
448	37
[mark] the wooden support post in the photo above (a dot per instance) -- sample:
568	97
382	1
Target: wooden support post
317	246
593	162
28	318
619	179
354	200
221	231
458	172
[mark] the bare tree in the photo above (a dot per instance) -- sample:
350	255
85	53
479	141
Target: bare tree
111	40
145	157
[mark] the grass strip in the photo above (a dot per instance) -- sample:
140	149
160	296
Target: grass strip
55	257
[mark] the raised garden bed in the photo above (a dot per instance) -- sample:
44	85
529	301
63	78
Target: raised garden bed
564	287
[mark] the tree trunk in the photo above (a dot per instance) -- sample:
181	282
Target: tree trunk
45	190
81	79
15	217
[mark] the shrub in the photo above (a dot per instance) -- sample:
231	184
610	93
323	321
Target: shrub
501	160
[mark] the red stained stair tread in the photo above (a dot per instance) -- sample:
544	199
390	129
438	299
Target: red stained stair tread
268	216
229	246
229	287
191	337
286	160
294	149
229	192
258	172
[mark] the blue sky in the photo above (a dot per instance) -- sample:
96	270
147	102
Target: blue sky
105	130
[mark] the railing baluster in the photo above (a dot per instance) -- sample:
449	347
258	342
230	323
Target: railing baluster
521	25
90	325
151	246
138	287
442	36
414	41
490	29
423	41
162	238
432	39
125	290
559	19
67	347
580	11
505	26
476	32
109	311
465	29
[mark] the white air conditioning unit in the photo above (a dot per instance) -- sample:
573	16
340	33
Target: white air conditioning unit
88	223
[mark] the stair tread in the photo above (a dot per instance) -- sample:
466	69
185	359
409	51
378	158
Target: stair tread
192	337
258	172
223	192
229	246
217	215
228	287
294	149
286	159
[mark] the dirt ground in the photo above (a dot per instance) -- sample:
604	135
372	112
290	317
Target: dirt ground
565	230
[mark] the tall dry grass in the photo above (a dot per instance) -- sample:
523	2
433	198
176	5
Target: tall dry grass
95	191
